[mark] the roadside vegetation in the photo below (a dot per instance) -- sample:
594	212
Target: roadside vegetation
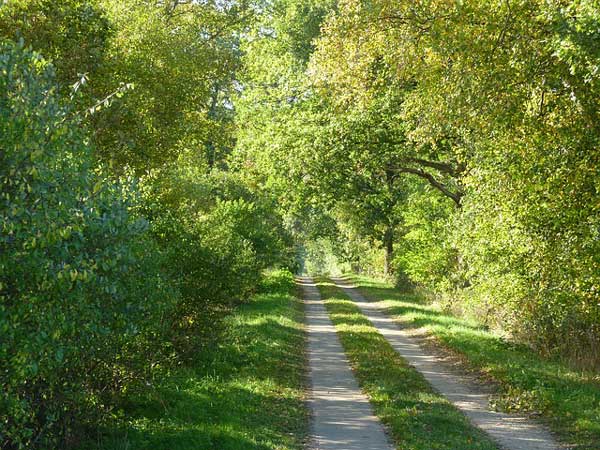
124	239
244	391
453	144
546	388
417	417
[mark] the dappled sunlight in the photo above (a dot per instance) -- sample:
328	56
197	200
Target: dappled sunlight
188	417
170	169
275	321
245	393
512	431
351	321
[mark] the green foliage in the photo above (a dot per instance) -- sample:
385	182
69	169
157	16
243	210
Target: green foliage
118	275
181	58
72	34
274	116
424	252
217	237
80	296
459	138
319	257
178	58
107	301
493	106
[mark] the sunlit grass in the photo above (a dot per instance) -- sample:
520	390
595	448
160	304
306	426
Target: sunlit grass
247	392
568	399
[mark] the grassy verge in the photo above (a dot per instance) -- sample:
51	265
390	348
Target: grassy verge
569	400
245	393
418	418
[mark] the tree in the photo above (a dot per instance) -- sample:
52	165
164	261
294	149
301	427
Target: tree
81	293
73	34
500	99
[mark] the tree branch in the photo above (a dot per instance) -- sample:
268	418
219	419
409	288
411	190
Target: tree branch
455	196
450	169
453	169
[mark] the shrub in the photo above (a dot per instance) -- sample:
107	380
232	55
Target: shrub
217	238
80	290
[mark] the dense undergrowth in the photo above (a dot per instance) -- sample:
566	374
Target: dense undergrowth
568	399
106	279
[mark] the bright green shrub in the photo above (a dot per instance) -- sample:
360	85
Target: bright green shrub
280	281
533	250
80	292
217	238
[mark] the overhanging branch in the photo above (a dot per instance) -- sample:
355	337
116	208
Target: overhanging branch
451	169
455	196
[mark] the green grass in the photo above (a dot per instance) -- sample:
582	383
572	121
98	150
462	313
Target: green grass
245	393
418	418
567	399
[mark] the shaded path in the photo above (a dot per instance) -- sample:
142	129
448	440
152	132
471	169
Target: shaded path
512	432
342	416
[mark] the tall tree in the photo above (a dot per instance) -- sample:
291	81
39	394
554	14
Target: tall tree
501	97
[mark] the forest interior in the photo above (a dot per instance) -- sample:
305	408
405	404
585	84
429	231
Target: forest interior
168	167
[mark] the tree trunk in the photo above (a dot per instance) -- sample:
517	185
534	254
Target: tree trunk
388	245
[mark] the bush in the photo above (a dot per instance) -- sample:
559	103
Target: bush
424	254
279	281
81	294
217	237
